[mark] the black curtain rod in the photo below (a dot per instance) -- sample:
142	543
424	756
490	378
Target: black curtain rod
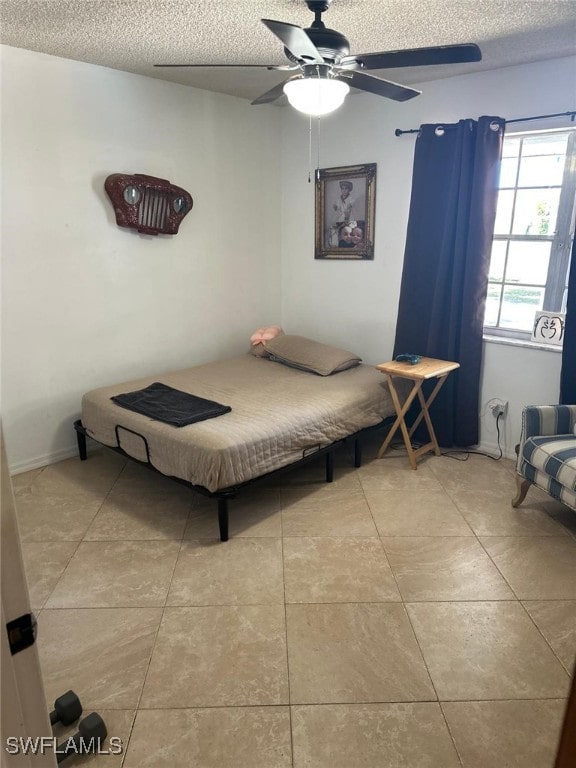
571	115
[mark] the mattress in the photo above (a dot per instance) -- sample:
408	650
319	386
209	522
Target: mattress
279	415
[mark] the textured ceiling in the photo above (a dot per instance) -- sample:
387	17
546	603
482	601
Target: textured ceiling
132	35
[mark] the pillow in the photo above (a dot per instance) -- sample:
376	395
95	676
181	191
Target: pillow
260	336
309	355
259	350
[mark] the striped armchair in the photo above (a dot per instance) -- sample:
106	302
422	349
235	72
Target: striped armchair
547	453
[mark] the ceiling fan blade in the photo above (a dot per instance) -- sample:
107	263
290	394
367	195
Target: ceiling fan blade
378	86
417	57
271	95
295	40
260	66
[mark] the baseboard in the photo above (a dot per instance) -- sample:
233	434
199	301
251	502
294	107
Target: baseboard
53	457
494	450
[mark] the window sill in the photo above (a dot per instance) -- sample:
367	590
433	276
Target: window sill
520	343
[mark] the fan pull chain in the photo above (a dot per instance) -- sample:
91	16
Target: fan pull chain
317	171
309	148
318	153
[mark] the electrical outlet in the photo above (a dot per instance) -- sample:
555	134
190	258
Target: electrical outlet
500	409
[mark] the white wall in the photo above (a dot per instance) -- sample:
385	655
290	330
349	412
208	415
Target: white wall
354	304
522	376
86	303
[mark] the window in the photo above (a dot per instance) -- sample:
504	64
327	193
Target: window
533	231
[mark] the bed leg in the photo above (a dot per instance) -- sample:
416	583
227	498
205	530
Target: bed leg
81	439
357	452
330	466
223	518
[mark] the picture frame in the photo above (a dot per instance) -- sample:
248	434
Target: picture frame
345	206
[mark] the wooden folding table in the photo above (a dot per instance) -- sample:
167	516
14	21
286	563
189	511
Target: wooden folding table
427	368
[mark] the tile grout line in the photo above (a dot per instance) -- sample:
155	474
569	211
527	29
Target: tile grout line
516	597
458	755
137	707
417	641
286	633
452	739
505	581
546	639
477	537
78	541
346	703
61	575
421	653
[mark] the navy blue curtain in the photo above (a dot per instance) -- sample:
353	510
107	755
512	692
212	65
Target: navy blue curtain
446	263
568	373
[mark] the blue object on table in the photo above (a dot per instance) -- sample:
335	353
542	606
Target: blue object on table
408	358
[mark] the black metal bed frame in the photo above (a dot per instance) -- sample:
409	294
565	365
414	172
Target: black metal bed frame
226	494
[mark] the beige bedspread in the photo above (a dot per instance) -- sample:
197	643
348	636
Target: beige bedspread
278	414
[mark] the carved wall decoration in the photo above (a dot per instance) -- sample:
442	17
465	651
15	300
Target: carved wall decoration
549	327
150	205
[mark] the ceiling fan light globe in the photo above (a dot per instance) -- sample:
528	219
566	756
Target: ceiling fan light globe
316	96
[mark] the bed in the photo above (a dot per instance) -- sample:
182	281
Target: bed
280	416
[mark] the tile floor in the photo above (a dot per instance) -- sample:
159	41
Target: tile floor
391	618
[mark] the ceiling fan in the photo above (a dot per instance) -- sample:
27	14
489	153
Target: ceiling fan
325	69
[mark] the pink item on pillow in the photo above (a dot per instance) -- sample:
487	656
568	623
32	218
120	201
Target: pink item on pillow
265	334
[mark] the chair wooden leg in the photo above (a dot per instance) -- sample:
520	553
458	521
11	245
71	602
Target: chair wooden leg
522	486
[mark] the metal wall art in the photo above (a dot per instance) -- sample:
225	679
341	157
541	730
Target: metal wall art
152	206
345	199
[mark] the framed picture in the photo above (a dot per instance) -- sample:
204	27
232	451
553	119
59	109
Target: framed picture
345	199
